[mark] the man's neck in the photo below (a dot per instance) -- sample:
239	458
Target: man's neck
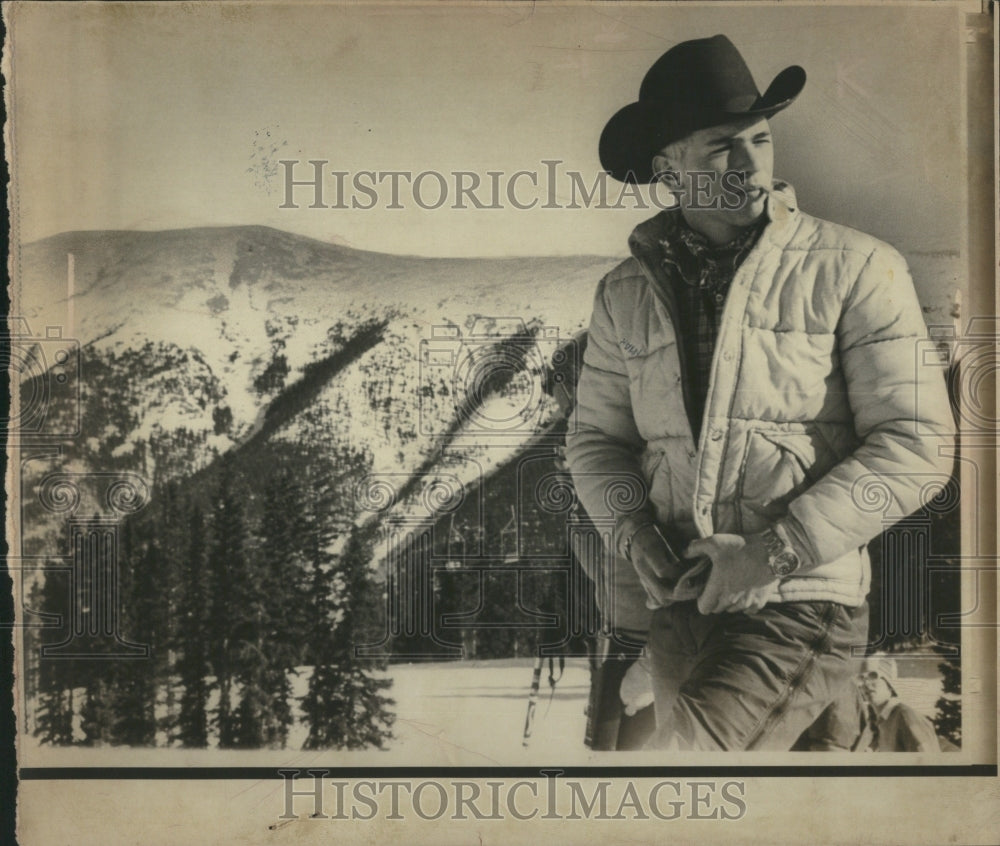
718	232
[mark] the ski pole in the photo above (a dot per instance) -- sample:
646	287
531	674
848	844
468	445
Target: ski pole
529	720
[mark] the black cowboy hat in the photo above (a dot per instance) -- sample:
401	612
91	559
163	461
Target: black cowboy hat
694	85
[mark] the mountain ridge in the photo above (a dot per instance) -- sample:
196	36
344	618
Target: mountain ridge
193	338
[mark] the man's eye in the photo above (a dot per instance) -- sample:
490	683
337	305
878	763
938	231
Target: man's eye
762	140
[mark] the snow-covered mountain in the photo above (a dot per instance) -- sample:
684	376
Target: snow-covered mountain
197	341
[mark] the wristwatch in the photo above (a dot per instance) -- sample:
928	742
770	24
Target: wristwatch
781	558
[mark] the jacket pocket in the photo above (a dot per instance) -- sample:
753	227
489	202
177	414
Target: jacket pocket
778	466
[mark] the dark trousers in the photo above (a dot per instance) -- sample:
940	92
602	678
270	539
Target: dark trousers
751	681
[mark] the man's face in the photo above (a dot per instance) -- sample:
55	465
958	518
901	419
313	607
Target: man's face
717	159
876	689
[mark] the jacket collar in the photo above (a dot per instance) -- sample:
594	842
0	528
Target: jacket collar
888	707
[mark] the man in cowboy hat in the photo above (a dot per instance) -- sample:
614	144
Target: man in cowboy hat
897	726
750	369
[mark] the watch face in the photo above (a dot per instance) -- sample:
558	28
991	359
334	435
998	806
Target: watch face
784	563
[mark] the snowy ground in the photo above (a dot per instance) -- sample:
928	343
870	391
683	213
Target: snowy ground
474	712
468	713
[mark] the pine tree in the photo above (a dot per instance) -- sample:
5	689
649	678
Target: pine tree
250	660
97	714
31	647
227	567
91	673
167	615
282	599
133	681
192	724
948	709
133	704
54	680
266	640
345	706
54	724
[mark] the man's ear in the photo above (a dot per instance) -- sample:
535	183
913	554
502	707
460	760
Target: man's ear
666	174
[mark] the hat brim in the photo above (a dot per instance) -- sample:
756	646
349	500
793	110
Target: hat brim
637	132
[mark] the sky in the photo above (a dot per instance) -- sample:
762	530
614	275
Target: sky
158	116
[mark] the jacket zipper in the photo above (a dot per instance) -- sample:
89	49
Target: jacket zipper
665	294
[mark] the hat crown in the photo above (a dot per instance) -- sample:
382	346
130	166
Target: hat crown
707	72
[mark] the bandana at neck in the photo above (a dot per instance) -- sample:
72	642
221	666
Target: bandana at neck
700	263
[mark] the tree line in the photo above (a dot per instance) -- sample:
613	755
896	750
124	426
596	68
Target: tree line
239	579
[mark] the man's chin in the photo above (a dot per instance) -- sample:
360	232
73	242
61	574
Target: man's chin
756	200
747	214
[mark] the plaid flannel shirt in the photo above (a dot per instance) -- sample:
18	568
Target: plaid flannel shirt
702	273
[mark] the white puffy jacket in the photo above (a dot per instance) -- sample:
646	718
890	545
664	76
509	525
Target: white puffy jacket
820	408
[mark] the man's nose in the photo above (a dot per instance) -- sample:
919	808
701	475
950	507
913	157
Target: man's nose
745	159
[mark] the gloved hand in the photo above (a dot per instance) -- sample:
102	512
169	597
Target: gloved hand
739	579
665	576
656	564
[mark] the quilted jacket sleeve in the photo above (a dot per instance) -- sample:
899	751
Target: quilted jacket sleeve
901	411
603	451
